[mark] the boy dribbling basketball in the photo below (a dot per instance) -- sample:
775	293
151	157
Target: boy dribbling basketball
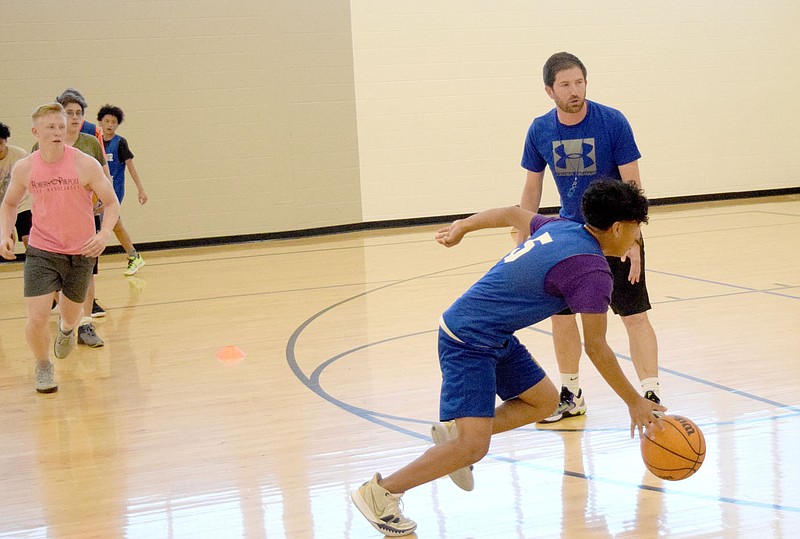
562	264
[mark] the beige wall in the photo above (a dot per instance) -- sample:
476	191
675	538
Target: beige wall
445	92
254	116
241	114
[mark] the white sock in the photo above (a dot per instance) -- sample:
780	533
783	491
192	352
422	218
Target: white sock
85	320
571	381
651	384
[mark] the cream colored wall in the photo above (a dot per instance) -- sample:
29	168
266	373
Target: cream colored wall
241	114
446	90
254	116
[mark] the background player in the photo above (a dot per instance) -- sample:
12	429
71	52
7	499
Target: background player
583	141
9	155
63	242
119	156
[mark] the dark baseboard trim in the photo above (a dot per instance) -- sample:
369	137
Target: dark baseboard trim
713	197
418	221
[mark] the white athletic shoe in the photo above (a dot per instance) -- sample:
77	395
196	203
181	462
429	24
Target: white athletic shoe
382	508
46	378
571	405
64	343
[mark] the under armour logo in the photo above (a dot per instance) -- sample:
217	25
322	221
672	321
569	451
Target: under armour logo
574	156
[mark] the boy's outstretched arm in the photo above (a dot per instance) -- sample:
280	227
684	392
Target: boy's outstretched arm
515	216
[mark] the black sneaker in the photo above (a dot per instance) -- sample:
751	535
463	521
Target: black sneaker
97	310
651	395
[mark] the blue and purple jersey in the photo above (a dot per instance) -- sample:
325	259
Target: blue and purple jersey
560	266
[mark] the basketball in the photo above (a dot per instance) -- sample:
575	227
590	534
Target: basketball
677	451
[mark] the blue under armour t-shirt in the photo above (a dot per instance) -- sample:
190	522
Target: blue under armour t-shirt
580	154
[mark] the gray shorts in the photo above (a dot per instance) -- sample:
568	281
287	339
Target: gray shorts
47	272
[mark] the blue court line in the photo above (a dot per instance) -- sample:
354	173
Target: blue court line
703	381
313	383
316	386
746	289
385	420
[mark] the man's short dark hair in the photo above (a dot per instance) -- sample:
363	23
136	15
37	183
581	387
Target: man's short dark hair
559	62
5	132
110	110
71	95
607	201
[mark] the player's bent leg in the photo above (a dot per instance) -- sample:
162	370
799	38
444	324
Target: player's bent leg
475	435
69	311
532	405
472	444
446	431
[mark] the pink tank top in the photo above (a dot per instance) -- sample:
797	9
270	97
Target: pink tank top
63	220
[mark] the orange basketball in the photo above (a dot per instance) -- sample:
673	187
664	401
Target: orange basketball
675	452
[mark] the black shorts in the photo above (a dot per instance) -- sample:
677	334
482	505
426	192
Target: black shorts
626	299
24	223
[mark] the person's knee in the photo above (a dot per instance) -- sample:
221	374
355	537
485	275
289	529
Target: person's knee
38	317
541	399
636	321
472	445
564	326
472	451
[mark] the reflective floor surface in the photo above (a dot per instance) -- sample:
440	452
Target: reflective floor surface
244	391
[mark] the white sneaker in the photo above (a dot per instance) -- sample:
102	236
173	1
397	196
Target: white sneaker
444	432
382	508
64	343
571	405
46	378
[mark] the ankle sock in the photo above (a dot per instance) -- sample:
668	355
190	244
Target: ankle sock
571	381
651	384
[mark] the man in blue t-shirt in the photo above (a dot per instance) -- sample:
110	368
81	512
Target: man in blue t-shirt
583	141
562	265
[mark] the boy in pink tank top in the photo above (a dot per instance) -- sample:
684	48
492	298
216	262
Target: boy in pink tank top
63	244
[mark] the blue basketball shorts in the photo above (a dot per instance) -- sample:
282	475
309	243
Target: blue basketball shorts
472	376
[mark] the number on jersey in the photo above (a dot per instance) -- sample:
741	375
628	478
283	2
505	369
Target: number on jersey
529	244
